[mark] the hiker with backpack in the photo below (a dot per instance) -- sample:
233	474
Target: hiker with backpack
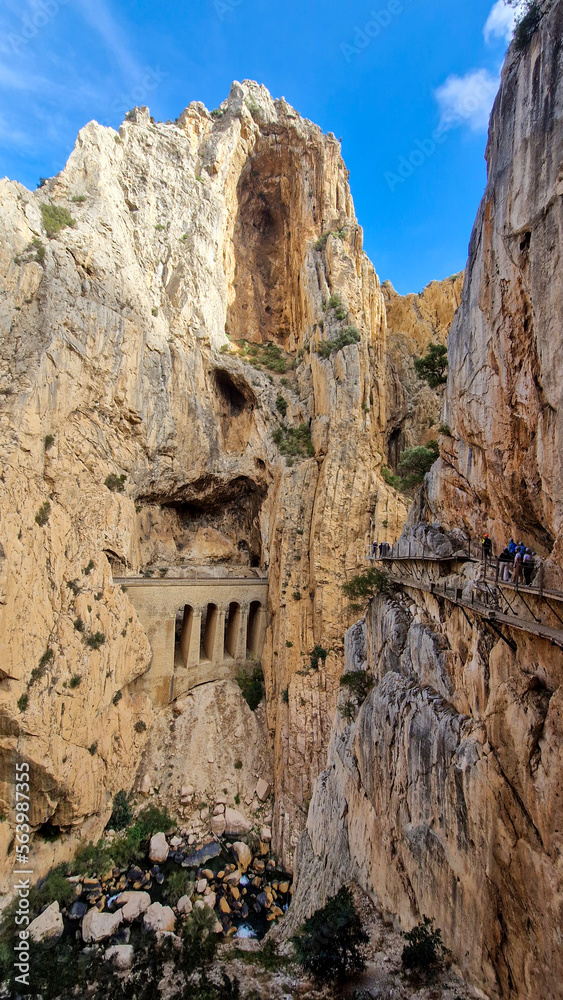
528	566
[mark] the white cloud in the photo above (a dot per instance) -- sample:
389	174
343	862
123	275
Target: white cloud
467	99
501	21
101	18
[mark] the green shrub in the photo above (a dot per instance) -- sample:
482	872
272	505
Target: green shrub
433	366
317	655
364	586
238	765
250	680
199	940
117	697
122	814
115	483
42	515
289	645
55	218
41	669
78	199
281	405
23	702
48	440
445	429
75	681
140	726
527	24
294	441
329	945
348	336
178	883
389	478
414	463
154	311
359	683
296	595
335	301
285	696
95	640
93	747
340	313
217	113
88	569
424	952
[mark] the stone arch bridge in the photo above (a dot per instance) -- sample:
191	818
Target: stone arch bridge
199	630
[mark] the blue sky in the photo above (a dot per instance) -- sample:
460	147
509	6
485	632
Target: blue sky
407	84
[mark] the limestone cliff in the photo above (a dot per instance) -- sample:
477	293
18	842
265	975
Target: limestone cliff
136	436
413	323
442	791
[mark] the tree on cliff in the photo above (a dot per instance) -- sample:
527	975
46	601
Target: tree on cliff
433	366
329	945
528	22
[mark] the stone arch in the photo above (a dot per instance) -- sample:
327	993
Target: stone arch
186	633
232	629
209	623
253	628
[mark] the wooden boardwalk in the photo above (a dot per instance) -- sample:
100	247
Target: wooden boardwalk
492	615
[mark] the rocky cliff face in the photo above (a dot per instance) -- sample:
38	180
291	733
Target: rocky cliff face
441	795
413	323
137	437
501	469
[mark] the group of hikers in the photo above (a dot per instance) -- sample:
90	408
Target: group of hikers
516	563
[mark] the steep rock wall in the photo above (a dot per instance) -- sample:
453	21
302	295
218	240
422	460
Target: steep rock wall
501	470
413	323
114	362
442	797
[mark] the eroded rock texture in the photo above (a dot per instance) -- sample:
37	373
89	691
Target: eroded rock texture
413	323
134	439
442	796
501	471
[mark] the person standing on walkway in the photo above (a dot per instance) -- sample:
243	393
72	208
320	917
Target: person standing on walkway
487	550
505	562
528	566
517	573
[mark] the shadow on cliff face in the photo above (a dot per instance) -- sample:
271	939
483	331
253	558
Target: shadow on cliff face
210	520
277	195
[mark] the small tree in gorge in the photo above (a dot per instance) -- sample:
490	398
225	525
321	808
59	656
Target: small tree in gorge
433	366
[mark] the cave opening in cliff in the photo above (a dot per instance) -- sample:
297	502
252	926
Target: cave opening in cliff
269	239
208	522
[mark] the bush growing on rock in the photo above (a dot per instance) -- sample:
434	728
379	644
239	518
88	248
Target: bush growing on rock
250	680
329	945
433	366
364	586
414	463
424	954
121	815
199	940
55	218
359	683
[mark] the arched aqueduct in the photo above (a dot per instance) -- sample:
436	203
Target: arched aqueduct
199	630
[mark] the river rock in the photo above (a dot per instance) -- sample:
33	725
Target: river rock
243	855
235	823
184	905
159	918
263	789
218	825
134	904
158	850
121	955
48	926
265	834
98	926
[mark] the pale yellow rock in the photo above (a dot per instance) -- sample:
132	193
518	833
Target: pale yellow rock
48	927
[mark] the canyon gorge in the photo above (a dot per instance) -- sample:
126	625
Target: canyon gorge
205	392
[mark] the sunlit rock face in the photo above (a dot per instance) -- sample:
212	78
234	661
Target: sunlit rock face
414	322
502	468
442	790
149	434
